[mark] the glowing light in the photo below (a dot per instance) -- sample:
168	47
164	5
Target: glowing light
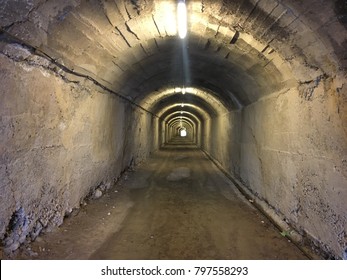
181	112
166	15
182	19
177	90
191	90
182	105
183	133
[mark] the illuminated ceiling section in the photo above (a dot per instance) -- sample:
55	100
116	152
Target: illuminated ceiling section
189	115
182	19
196	110
180	121
239	76
156	97
246	68
240	51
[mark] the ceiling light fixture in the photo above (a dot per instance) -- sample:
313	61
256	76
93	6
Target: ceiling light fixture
182	19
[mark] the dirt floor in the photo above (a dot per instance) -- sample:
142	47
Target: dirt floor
177	205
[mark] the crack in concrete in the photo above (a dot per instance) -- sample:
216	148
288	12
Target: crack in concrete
26	17
156	26
278	33
137	5
267	63
116	64
108	19
143	49
156	43
207	45
257	146
308	87
64	69
51	147
270	13
218	48
264	49
235	37
122	35
314	81
217	31
273	23
238	10
131	31
251	12
126	10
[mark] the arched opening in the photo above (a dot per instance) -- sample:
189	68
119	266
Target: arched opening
183	132
92	88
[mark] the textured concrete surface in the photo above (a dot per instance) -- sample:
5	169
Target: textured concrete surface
60	140
147	215
296	161
88	87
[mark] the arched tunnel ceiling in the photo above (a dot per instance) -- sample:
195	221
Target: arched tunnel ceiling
205	103
177	119
241	76
238	51
192	110
185	114
184	122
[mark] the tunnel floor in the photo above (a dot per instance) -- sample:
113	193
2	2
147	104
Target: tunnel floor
176	205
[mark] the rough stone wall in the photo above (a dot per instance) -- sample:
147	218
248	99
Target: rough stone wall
294	156
106	40
61	137
145	135
225	141
207	135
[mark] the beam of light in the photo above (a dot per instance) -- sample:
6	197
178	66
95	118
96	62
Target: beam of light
185	65
182	19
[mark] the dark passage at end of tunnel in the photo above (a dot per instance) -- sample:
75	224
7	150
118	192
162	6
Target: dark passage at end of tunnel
230	143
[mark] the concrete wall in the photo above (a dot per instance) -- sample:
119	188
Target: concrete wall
206	135
59	140
144	136
294	152
290	150
62	136
225	141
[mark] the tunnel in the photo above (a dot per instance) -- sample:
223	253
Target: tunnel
91	89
